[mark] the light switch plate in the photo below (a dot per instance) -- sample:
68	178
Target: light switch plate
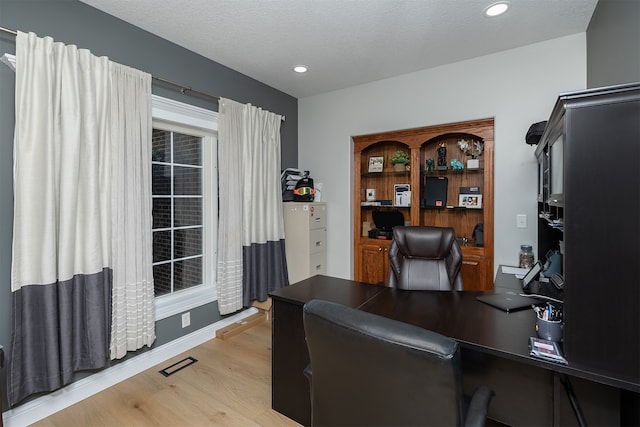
521	221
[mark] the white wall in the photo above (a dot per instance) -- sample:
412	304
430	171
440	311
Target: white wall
516	87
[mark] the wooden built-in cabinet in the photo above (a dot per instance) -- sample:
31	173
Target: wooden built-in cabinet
371	264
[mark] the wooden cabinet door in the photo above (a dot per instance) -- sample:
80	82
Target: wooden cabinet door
474	273
375	264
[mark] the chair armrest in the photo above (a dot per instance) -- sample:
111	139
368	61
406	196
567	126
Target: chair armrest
478	407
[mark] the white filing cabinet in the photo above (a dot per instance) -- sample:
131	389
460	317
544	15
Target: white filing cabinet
305	231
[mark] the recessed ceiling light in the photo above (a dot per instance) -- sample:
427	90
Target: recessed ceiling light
497	8
300	68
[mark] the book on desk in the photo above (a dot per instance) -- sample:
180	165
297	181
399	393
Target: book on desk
545	349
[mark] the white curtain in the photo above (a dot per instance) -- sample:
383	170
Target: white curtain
251	260
133	314
229	268
72	257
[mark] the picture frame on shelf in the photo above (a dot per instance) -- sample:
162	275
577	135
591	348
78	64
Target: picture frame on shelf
376	163
472	201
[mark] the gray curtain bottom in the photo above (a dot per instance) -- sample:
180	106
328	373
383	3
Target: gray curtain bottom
264	270
58	329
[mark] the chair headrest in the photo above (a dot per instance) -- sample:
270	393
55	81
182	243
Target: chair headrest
424	242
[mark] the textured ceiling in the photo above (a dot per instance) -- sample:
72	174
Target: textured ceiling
346	42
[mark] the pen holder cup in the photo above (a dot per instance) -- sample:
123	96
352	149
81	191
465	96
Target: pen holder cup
549	329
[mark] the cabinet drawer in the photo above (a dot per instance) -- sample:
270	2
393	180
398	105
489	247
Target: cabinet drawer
317	216
318	263
317	240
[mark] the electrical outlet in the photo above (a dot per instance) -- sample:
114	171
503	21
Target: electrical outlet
186	319
521	221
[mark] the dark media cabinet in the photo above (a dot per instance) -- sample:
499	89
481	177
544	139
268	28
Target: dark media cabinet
589	158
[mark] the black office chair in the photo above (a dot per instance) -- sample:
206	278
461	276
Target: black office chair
367	370
427	258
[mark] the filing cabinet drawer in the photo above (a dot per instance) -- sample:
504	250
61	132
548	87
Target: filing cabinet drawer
317	240
317	216
318	264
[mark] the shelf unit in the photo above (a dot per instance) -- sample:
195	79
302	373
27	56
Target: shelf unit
371	255
589	157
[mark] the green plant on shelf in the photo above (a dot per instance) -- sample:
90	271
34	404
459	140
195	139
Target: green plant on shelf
400	158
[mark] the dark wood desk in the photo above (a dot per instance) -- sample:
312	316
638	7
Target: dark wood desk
494	349
290	388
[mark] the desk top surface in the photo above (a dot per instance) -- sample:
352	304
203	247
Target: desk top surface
456	314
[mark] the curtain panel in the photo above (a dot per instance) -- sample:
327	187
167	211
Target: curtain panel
229	268
251	218
71	136
133	309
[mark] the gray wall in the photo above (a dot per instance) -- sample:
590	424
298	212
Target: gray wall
613	43
72	22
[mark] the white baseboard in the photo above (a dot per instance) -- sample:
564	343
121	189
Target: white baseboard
42	407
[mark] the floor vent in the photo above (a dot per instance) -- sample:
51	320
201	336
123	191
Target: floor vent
181	364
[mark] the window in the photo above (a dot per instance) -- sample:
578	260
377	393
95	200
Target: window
177	211
184	206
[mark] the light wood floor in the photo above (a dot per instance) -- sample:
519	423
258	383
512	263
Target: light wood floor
230	385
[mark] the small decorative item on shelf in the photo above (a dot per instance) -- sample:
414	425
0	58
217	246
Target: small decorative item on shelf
376	163
470	201
472	149
429	165
470	197
402	194
400	160
456	165
442	157
371	195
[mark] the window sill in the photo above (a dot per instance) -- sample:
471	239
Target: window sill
181	301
